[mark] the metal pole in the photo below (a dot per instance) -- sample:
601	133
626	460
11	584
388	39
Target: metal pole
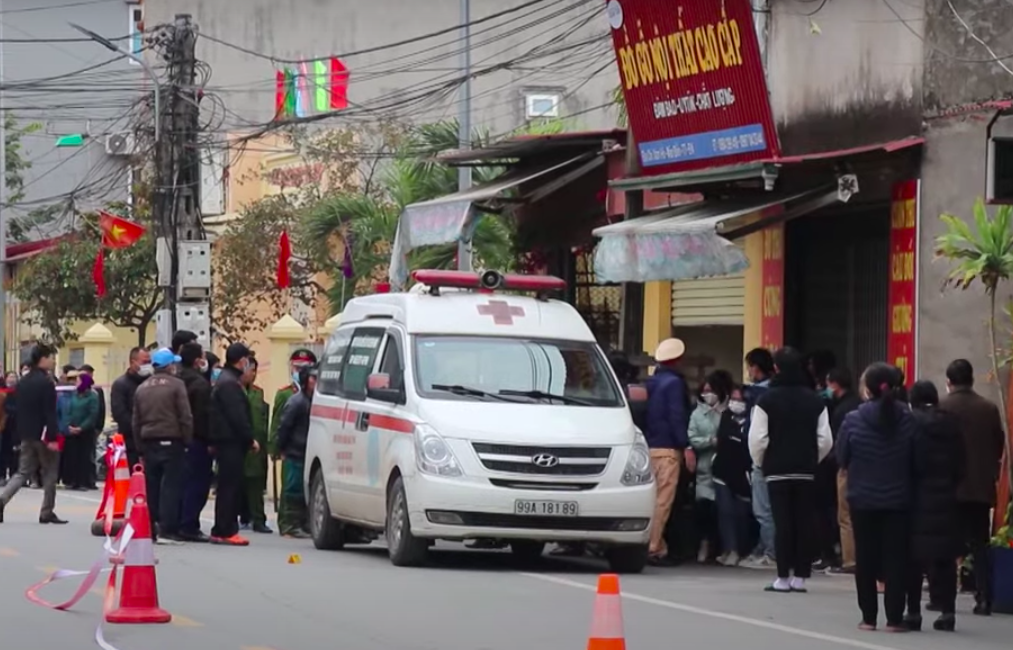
464	134
101	40
3	210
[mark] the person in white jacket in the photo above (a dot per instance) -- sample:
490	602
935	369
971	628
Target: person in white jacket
789	435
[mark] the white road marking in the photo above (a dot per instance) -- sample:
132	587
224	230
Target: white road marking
744	620
99	501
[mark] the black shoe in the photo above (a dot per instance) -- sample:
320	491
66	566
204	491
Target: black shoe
52	519
2	506
945	623
263	529
981	609
913	622
196	538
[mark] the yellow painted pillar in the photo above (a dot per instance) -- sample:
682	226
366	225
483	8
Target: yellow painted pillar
324	331
282	335
96	342
657	314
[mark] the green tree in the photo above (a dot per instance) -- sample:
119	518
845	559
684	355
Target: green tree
982	254
366	217
57	289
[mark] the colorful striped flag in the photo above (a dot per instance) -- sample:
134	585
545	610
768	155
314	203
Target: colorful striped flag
339	85
290	93
323	100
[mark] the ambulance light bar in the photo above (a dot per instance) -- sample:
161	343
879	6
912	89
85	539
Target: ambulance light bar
488	280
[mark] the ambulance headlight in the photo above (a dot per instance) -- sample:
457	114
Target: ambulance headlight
638	463
432	453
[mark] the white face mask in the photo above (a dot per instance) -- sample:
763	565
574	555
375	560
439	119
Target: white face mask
203	365
146	370
738	407
710	399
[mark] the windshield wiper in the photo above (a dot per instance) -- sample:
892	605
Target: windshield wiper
541	394
467	391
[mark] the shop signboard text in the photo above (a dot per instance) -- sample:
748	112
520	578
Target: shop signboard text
901	341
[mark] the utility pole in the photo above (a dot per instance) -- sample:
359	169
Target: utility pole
464	133
182	251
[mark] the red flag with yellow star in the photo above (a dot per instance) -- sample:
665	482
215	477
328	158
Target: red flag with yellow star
118	232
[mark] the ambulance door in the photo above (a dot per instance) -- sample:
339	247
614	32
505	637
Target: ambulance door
383	423
363	353
328	436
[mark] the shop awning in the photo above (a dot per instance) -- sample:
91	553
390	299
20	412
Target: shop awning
451	218
694	241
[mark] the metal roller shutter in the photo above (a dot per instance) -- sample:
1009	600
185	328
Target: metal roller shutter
709	301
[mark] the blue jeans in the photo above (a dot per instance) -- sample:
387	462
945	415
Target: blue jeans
733	520
199	473
763	514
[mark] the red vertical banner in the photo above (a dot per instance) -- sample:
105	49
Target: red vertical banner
903	307
772	315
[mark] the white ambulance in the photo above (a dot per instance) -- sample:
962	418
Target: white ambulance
461	410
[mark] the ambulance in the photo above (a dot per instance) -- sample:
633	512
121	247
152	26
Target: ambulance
473	407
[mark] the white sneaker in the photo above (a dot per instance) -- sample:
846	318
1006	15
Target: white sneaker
732	559
723	558
762	562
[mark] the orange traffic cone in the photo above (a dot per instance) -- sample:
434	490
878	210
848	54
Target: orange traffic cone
138	588
116	491
607	620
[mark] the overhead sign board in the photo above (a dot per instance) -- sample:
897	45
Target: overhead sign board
693	82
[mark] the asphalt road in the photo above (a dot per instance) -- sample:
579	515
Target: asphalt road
252	599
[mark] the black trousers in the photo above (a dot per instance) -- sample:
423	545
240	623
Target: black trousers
231	459
793	505
164	462
76	457
942	576
882	542
976	523
92	474
8	456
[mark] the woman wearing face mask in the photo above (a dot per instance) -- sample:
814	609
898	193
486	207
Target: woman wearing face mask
81	424
703	437
732	468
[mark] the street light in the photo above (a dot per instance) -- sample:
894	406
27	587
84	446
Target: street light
105	42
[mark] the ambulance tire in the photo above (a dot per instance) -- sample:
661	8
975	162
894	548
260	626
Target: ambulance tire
627	559
327	532
404	549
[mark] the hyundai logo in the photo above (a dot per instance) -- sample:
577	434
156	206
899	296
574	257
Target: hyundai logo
545	460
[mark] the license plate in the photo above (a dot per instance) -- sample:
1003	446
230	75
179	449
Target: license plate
546	508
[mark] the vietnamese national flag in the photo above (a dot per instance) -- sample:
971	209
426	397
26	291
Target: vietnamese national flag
339	85
98	275
279	94
118	232
284	256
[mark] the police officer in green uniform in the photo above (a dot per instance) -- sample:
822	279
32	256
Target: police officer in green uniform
255	471
299	359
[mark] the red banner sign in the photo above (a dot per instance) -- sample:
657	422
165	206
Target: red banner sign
772	319
693	82
901	341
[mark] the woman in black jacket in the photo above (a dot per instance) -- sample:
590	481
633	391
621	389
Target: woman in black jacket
935	539
731	469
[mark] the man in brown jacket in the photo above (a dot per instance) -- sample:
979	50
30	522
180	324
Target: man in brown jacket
981	430
163	426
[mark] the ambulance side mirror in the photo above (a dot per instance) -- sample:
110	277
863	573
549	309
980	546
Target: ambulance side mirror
378	388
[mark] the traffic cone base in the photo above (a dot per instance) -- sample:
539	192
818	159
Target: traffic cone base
607	621
117	490
138	587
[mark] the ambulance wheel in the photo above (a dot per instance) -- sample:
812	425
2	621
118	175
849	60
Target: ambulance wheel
527	550
627	559
403	548
328	533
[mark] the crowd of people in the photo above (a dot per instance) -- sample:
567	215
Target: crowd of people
804	470
196	423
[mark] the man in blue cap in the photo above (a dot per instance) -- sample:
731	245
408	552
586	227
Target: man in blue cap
163	426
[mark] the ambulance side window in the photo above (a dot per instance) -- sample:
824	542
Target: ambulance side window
329	379
360	360
392	363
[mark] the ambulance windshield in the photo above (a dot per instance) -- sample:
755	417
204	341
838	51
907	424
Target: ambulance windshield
507	366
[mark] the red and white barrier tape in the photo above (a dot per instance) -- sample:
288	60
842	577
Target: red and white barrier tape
110	549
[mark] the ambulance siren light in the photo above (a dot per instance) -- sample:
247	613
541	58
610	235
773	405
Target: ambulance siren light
488	280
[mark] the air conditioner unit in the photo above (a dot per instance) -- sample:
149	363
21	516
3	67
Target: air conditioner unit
121	144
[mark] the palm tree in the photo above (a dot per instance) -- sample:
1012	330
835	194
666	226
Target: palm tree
985	254
366	219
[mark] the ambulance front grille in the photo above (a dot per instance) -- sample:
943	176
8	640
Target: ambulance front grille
544	461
